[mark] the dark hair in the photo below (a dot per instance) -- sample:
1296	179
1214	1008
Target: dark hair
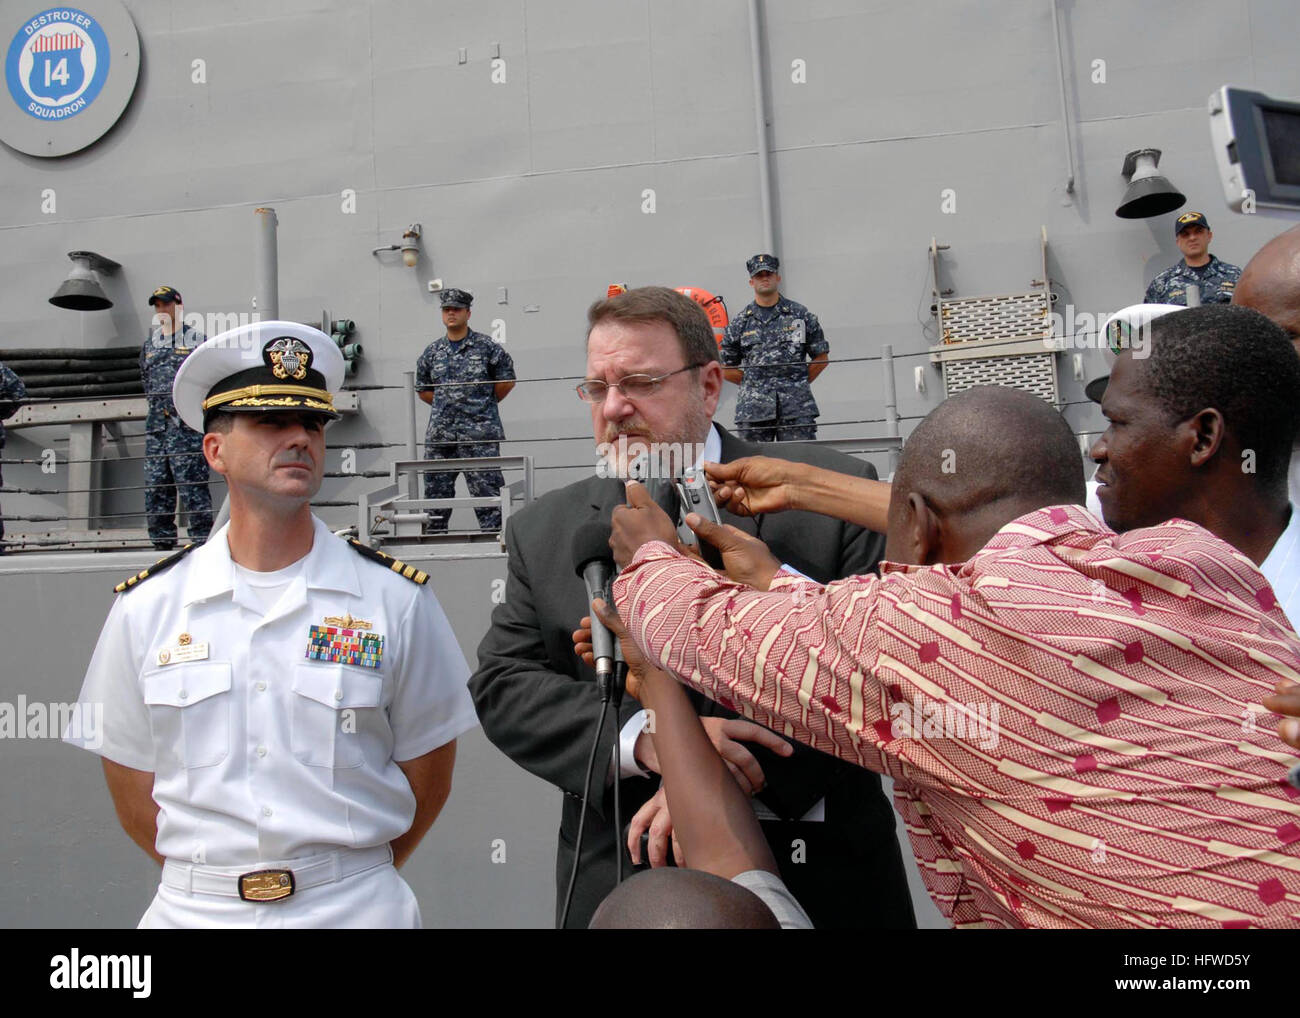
1236	361
660	304
222	421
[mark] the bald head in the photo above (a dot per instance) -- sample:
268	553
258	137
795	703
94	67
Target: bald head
681	899
992	444
979	460
1270	283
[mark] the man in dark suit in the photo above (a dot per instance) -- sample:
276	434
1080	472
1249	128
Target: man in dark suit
653	382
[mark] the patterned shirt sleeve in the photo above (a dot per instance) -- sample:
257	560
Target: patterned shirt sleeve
423	367
814	337
800	655
12	391
501	365
729	349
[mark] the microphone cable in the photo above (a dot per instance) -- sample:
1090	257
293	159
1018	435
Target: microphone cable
605	695
620	684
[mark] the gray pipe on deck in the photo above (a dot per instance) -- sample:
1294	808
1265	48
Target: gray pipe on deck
267	266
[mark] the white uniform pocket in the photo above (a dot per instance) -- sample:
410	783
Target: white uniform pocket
189	708
328	705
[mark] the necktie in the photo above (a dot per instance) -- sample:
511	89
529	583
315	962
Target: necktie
665	495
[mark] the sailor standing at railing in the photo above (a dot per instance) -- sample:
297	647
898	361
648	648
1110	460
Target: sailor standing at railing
764	351
463	376
12	393
173	453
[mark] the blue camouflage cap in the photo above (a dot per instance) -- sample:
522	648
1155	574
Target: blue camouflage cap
763	263
454	298
1190	219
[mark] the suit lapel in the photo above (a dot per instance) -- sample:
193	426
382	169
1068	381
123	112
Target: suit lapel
734	448
606	492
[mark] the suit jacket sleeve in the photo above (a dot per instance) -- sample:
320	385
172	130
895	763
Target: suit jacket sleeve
825	549
538	709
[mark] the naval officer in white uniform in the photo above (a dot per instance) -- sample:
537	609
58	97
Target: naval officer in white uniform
280	706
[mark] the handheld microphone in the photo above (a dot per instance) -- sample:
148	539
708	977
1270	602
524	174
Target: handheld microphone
594	565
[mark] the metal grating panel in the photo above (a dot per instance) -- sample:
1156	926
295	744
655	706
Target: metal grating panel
1014	316
1035	373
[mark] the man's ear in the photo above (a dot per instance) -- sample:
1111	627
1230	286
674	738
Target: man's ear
1205	433
913	537
924	538
212	451
711	386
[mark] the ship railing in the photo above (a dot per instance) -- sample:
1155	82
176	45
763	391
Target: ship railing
398	514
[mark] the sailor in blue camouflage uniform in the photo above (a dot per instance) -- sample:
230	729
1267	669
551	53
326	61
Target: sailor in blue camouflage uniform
774	349
1215	280
463	376
12	394
174	462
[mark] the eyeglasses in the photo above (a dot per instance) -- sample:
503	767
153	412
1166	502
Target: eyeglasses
593	390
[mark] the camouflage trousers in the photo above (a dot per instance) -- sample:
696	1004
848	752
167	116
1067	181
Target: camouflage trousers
2	513
781	429
482	483
174	464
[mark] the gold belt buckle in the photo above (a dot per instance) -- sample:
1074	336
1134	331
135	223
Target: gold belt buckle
266	885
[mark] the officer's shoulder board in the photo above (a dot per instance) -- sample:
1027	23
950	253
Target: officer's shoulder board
155	569
400	568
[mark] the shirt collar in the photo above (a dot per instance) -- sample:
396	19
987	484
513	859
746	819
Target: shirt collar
1042	526
330	565
712	448
1282	556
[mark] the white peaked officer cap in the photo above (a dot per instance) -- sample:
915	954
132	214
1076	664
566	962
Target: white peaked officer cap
259	368
1118	335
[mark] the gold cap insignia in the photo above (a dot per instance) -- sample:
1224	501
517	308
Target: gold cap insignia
287	357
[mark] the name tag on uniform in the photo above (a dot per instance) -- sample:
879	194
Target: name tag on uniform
345	641
184	650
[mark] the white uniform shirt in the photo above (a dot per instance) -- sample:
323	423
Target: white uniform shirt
776	896
1282	568
260	753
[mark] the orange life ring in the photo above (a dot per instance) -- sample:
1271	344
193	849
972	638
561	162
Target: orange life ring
714	307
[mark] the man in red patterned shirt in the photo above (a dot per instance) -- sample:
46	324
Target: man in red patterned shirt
1068	713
